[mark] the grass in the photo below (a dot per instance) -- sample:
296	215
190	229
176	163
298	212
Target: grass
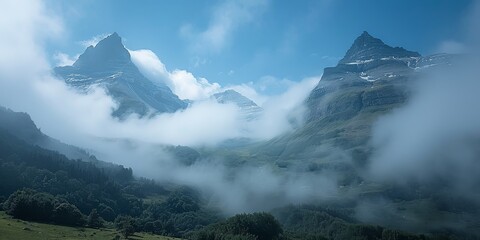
15	229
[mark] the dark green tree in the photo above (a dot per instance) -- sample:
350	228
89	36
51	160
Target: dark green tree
125	225
27	204
94	220
68	214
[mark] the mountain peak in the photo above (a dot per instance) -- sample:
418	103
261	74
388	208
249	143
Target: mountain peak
249	109
365	34
366	47
113	39
232	96
109	52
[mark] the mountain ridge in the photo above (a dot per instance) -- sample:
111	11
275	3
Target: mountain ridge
249	109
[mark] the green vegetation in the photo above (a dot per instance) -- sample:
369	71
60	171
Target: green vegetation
14	229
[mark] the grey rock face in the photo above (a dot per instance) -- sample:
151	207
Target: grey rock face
366	48
108	65
372	74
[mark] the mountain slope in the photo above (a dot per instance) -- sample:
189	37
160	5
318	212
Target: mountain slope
21	126
109	65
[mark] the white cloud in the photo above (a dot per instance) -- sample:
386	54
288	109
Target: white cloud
283	112
26	20
181	82
226	18
94	40
189	87
150	65
434	138
63	59
85	120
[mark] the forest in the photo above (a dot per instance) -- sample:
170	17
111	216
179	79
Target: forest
45	186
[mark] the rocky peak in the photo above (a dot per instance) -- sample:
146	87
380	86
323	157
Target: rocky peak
108	53
366	48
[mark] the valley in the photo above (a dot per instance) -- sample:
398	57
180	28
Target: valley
243	120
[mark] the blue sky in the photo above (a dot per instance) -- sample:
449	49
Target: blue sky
244	41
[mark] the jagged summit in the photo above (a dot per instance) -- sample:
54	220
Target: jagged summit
366	48
249	108
109	52
232	96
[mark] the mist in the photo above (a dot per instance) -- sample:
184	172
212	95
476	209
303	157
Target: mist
434	139
430	147
28	85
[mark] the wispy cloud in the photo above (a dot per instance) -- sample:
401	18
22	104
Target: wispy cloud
94	40
63	59
225	20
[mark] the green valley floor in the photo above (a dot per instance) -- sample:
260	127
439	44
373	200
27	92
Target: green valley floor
15	229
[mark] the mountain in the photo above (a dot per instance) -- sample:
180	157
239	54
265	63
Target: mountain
250	110
371	74
20	126
109	65
369	81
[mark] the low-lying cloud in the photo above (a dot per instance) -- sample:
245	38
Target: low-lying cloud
182	82
435	139
27	84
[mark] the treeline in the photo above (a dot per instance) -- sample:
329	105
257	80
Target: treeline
31	205
80	183
41	185
177	216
